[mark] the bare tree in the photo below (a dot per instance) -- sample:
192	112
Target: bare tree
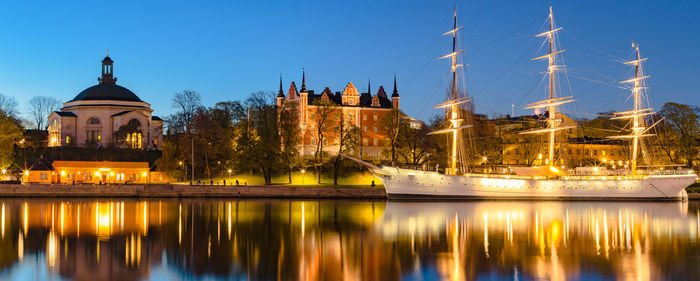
8	105
323	117
40	109
187	102
391	124
289	135
348	139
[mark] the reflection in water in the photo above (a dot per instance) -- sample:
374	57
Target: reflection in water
347	240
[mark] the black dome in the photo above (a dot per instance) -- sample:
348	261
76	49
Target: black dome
106	91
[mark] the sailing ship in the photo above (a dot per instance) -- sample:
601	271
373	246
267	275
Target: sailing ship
543	182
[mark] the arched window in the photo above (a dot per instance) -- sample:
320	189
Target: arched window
135	122
93	121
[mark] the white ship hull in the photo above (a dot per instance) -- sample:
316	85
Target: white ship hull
416	184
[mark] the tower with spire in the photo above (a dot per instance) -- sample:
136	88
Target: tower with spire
107	71
395	95
364	110
280	94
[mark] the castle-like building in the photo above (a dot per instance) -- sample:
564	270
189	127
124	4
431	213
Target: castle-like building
364	110
94	116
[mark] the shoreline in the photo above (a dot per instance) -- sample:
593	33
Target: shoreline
190	191
203	191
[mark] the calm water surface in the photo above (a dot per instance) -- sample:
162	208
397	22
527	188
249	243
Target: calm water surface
105	239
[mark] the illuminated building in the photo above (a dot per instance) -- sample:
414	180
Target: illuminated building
94	116
94	172
518	149
105	172
364	110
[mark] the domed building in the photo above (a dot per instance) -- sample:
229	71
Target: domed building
106	115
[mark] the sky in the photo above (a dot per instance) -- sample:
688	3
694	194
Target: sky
226	50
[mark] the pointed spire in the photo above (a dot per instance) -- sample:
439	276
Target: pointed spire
303	80
395	93
369	88
280	94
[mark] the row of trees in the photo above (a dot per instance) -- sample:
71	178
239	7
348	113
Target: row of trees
38	110
255	136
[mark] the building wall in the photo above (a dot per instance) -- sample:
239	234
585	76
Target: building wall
76	128
518	149
105	172
373	139
367	118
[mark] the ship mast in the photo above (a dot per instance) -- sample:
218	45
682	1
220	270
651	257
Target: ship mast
638	129
453	102
553	124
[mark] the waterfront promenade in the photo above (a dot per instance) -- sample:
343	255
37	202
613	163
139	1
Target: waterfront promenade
185	191
203	191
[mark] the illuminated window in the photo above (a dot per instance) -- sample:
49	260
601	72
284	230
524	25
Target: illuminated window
93	121
364	141
364	117
94	136
375	117
133	140
67	139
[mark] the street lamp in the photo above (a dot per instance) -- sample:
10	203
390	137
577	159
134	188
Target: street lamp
303	171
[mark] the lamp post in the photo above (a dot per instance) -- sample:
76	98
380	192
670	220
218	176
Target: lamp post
179	163
303	171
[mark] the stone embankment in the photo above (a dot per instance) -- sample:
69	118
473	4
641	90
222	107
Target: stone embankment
170	190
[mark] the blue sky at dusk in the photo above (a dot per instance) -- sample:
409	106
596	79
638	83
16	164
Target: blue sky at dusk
227	49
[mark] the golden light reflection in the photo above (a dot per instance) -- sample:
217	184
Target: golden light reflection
179	224
20	246
3	220
25	217
552	228
51	249
360	240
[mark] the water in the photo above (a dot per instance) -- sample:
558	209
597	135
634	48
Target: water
122	239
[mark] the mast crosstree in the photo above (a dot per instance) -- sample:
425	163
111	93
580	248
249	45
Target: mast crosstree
452	105
551	104
638	125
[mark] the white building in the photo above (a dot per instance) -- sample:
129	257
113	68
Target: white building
94	116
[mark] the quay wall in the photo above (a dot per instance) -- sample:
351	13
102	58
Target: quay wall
170	190
199	191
